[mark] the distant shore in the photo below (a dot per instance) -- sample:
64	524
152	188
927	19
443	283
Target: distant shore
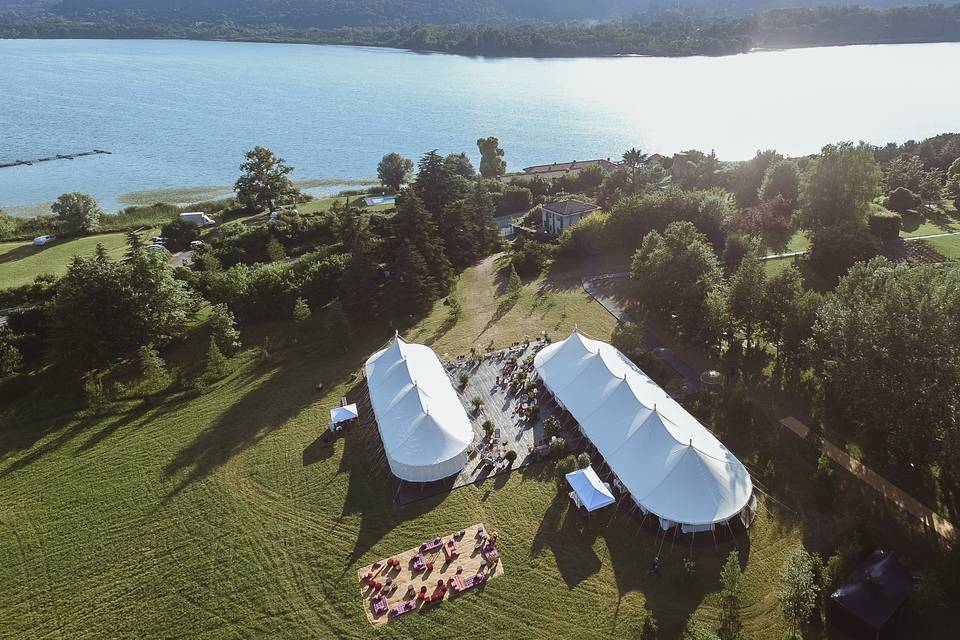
181	196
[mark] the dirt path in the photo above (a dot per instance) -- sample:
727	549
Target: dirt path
881	485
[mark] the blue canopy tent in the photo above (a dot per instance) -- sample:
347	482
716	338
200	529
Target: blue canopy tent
342	414
589	491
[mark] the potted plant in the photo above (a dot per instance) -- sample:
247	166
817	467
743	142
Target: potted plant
464	379
477	403
488	427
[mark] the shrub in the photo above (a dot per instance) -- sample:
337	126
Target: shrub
885	225
464	378
902	200
94	393
824	482
301	312
179	234
689	570
558	446
551	427
488	427
477	403
583	460
510	455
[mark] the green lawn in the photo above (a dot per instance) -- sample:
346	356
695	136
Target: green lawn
219	516
948	246
21	262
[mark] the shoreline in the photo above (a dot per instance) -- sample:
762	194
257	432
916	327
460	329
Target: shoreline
189	195
503	56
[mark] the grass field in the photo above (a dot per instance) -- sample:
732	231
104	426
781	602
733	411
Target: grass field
21	262
219	516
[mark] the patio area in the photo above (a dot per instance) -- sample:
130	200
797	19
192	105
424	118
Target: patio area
506	406
427	575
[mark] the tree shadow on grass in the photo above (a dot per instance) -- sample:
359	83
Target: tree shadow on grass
281	393
570	538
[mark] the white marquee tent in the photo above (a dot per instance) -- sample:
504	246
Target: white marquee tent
671	465
424	428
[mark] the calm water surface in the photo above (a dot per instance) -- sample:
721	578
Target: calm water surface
180	114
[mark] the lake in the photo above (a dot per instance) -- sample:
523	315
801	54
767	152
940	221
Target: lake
180	114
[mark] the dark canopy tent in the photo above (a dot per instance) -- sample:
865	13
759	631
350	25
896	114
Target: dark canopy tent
870	604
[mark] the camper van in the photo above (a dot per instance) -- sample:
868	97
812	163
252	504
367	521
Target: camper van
198	218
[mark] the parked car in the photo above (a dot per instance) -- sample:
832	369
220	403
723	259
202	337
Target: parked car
196	244
156	247
159	240
39	241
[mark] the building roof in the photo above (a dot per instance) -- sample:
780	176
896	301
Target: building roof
569	207
424	428
876	590
566	167
671	464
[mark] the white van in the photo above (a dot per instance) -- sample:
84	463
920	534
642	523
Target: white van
39	241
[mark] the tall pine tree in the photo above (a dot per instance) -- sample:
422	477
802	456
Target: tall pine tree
433	184
416	289
413	222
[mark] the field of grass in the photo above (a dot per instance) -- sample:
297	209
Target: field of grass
21	262
221	516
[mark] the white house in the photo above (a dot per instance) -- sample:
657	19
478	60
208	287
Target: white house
559	215
198	218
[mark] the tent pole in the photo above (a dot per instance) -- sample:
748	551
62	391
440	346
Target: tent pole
693	534
673	541
713	532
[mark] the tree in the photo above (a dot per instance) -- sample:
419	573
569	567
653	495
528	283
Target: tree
414	222
902	200
105	310
179	234
781	298
837	186
264	181
458	164
433	185
223	329
8	226
634	158
674	273
217	365
417	289
492	164
909	172
746	294
78	213
731	586
301	312
628	338
781	179
798	592
514	285
833	250
394	170
746	178
10	357
153	370
886	346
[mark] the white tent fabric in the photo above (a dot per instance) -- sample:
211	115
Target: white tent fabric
424	428
342	414
589	491
670	463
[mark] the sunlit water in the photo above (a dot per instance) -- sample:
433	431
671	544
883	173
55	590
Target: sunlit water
179	113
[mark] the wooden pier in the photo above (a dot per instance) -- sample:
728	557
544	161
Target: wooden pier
59	156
